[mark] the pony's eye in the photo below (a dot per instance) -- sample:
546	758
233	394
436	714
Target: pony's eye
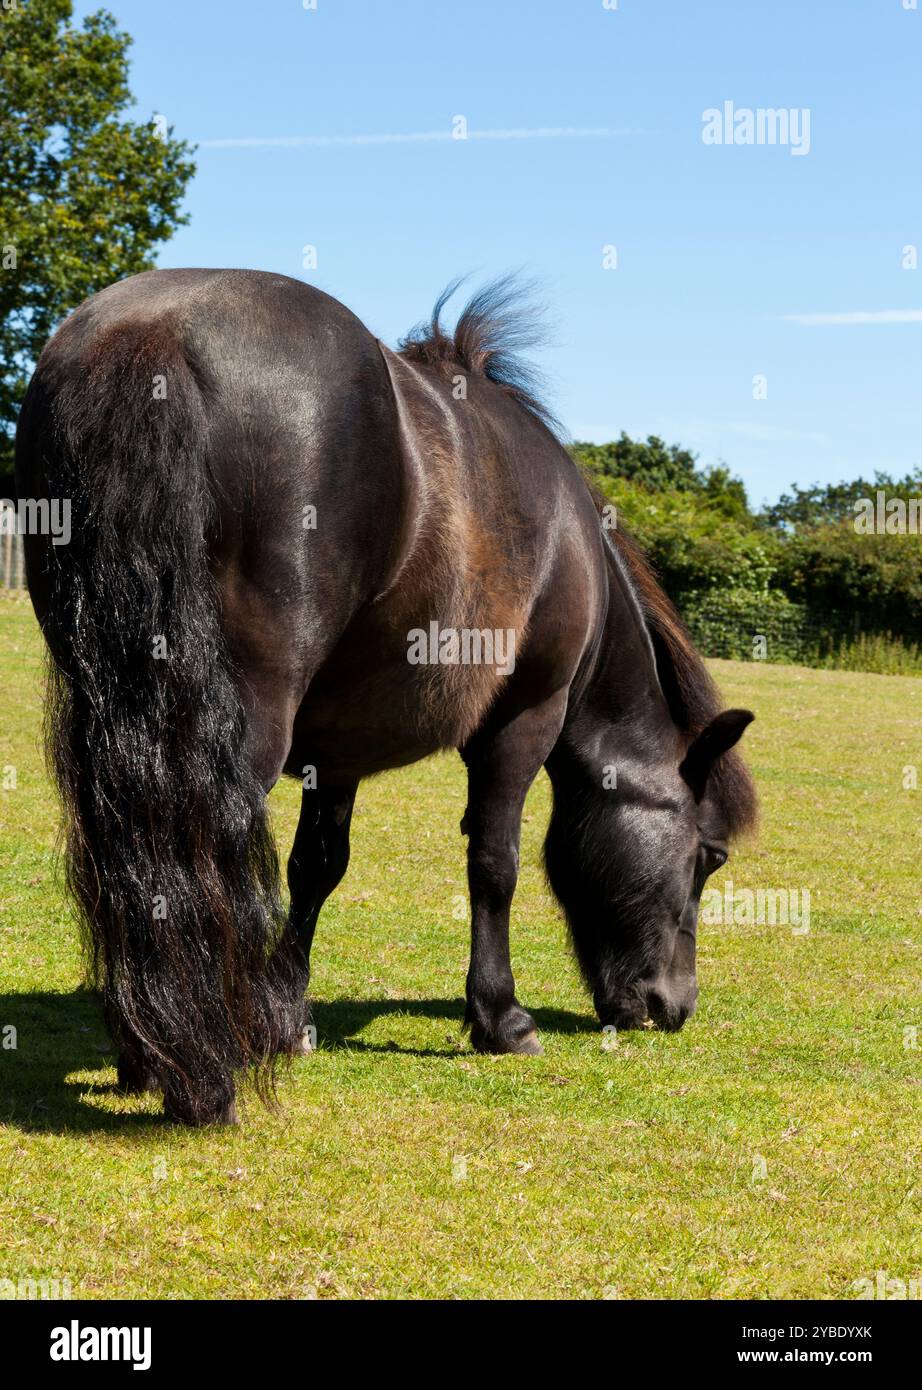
714	858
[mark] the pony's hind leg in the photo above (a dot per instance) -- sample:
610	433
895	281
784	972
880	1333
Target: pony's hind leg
208	1100
319	859
137	1068
502	763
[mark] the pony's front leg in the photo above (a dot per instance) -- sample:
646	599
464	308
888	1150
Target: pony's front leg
502	763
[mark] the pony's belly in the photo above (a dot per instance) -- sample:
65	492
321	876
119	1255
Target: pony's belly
353	745
390	716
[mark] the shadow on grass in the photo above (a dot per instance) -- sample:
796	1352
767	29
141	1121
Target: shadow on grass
56	1035
339	1020
60	1034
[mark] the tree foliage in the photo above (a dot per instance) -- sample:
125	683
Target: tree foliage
652	463
709	548
86	194
835	502
876	578
692	542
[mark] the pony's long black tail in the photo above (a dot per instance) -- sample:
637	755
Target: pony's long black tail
169	852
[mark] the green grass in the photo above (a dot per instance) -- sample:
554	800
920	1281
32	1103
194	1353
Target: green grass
401	1164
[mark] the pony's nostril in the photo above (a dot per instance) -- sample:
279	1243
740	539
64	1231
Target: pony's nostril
656	1007
667	1012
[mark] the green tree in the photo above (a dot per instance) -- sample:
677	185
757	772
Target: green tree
693	543
835	502
661	467
85	194
876	579
726	493
799	563
651	463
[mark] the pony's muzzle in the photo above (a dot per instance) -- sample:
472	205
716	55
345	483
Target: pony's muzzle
661	1004
669	1010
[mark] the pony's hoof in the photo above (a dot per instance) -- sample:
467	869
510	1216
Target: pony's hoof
304	1045
197	1118
525	1046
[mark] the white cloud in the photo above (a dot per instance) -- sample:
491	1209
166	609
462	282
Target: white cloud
875	316
418	137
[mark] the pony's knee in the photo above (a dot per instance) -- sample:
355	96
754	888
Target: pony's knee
493	872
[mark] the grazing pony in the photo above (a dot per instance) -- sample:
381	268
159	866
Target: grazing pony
296	551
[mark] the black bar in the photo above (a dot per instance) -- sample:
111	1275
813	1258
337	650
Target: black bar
274	1338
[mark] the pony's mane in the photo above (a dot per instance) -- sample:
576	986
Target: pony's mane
497	324
692	695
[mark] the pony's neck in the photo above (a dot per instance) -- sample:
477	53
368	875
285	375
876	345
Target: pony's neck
621	711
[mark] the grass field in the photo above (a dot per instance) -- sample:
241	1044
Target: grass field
771	1149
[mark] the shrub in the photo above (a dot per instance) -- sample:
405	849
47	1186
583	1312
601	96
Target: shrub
691	542
742	626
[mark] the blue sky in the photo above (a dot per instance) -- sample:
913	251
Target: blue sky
717	246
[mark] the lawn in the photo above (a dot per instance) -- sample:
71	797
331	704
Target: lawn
772	1149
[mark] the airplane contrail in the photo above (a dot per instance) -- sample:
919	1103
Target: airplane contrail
417	137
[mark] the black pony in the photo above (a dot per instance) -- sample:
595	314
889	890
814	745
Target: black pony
296	551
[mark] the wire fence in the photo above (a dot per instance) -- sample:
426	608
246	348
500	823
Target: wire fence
802	637
768	636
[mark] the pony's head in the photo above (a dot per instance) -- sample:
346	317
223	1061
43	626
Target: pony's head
649	790
628	858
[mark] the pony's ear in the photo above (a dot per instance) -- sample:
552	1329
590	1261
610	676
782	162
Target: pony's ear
716	738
